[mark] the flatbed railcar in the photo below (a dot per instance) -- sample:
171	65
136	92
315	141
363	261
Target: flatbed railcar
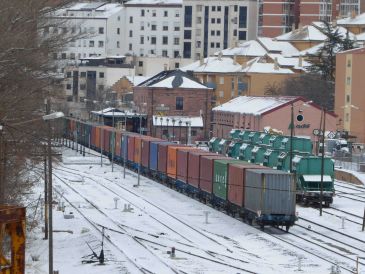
209	179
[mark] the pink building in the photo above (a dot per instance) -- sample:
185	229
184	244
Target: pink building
256	113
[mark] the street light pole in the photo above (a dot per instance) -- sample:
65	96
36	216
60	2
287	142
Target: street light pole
124	148
322	162
291	136
113	142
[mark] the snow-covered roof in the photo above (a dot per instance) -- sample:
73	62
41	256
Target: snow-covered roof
341	30
358	20
167	121
273	46
173	79
154	2
360	36
312	51
91	10
317	178
249	48
289	61
254	105
257	66
136	80
108	112
214	64
306	33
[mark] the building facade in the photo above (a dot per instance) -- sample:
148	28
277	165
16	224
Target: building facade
209	26
174	94
349	92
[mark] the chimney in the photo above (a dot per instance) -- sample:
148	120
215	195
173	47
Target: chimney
235	59
220	54
164	67
300	26
235	43
201	60
353	14
334	23
300	61
276	65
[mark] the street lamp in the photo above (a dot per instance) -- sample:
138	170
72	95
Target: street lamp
180	122
161	125
140	146
173	129
167	127
155	126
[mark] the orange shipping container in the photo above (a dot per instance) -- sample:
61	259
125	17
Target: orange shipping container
172	157
118	141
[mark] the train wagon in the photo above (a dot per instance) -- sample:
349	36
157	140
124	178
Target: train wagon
270	198
162	159
145	154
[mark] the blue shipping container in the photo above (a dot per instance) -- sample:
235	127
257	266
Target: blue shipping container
154	154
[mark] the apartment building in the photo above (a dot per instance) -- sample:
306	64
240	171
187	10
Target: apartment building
349	92
153	28
277	17
98	25
213	25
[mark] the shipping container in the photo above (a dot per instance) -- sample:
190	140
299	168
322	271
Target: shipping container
206	172
118	143
138	149
236	182
183	163
162	156
194	166
270	192
172	159
130	152
220	178
154	151
146	141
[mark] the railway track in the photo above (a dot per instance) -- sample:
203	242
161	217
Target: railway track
211	253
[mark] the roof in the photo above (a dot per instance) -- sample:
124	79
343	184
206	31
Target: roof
353	51
358	20
274	46
167	121
255	105
289	61
255	66
214	64
136	80
306	33
173	79
249	48
98	9
341	30
154	2
360	36
312	51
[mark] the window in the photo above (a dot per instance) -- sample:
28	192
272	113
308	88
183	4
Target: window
63	56
176	54
140	63
241	35
348	81
91	44
347	98
348	63
118	18
101	44
164	53
193	132
235	32
165	13
218	8
165	40
153	27
212	32
142	13
101	74
235	8
130	47
131	33
221	94
68	86
213	8
165	28
83	74
212	20
218	32
101	30
242	20
212	45
55	56
177	65
153	40
221	80
130	19
118	30
100	87
347	117
68	74
176	28
217	45
179	103
69	98
118	44
176	40
141	40
188	16
72	56
153	13
187	50
218	20
177	13
187	34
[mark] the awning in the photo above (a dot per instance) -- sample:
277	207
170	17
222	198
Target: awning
317	178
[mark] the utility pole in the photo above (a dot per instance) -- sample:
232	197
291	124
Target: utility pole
2	169
322	162
45	196
291	137
363	221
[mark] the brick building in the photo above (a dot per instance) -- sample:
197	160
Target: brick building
174	93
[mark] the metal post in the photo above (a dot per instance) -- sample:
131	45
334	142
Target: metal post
113	143
77	140
291	137
140	150
45	196
322	161
124	155
189	133
50	217
180	122
363	221
161	126
101	146
173	129
89	143
2	167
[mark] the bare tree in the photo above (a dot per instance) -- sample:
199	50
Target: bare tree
273	89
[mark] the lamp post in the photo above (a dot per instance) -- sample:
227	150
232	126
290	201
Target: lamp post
322	162
161	119
291	136
155	126
167	127
180	122
173	129
140	148
187	123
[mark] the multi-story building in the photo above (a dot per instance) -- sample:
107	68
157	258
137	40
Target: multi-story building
97	29
177	95
212	25
153	28
277	17
349	92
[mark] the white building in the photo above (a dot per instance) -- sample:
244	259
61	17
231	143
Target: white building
209	26
99	26
153	28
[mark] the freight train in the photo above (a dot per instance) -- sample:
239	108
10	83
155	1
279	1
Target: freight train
273	150
256	193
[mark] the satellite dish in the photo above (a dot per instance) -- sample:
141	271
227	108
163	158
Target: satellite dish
177	82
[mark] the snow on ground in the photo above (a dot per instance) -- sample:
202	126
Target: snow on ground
138	240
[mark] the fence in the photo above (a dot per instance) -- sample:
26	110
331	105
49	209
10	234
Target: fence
356	162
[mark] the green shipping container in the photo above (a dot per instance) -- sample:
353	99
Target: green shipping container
220	178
